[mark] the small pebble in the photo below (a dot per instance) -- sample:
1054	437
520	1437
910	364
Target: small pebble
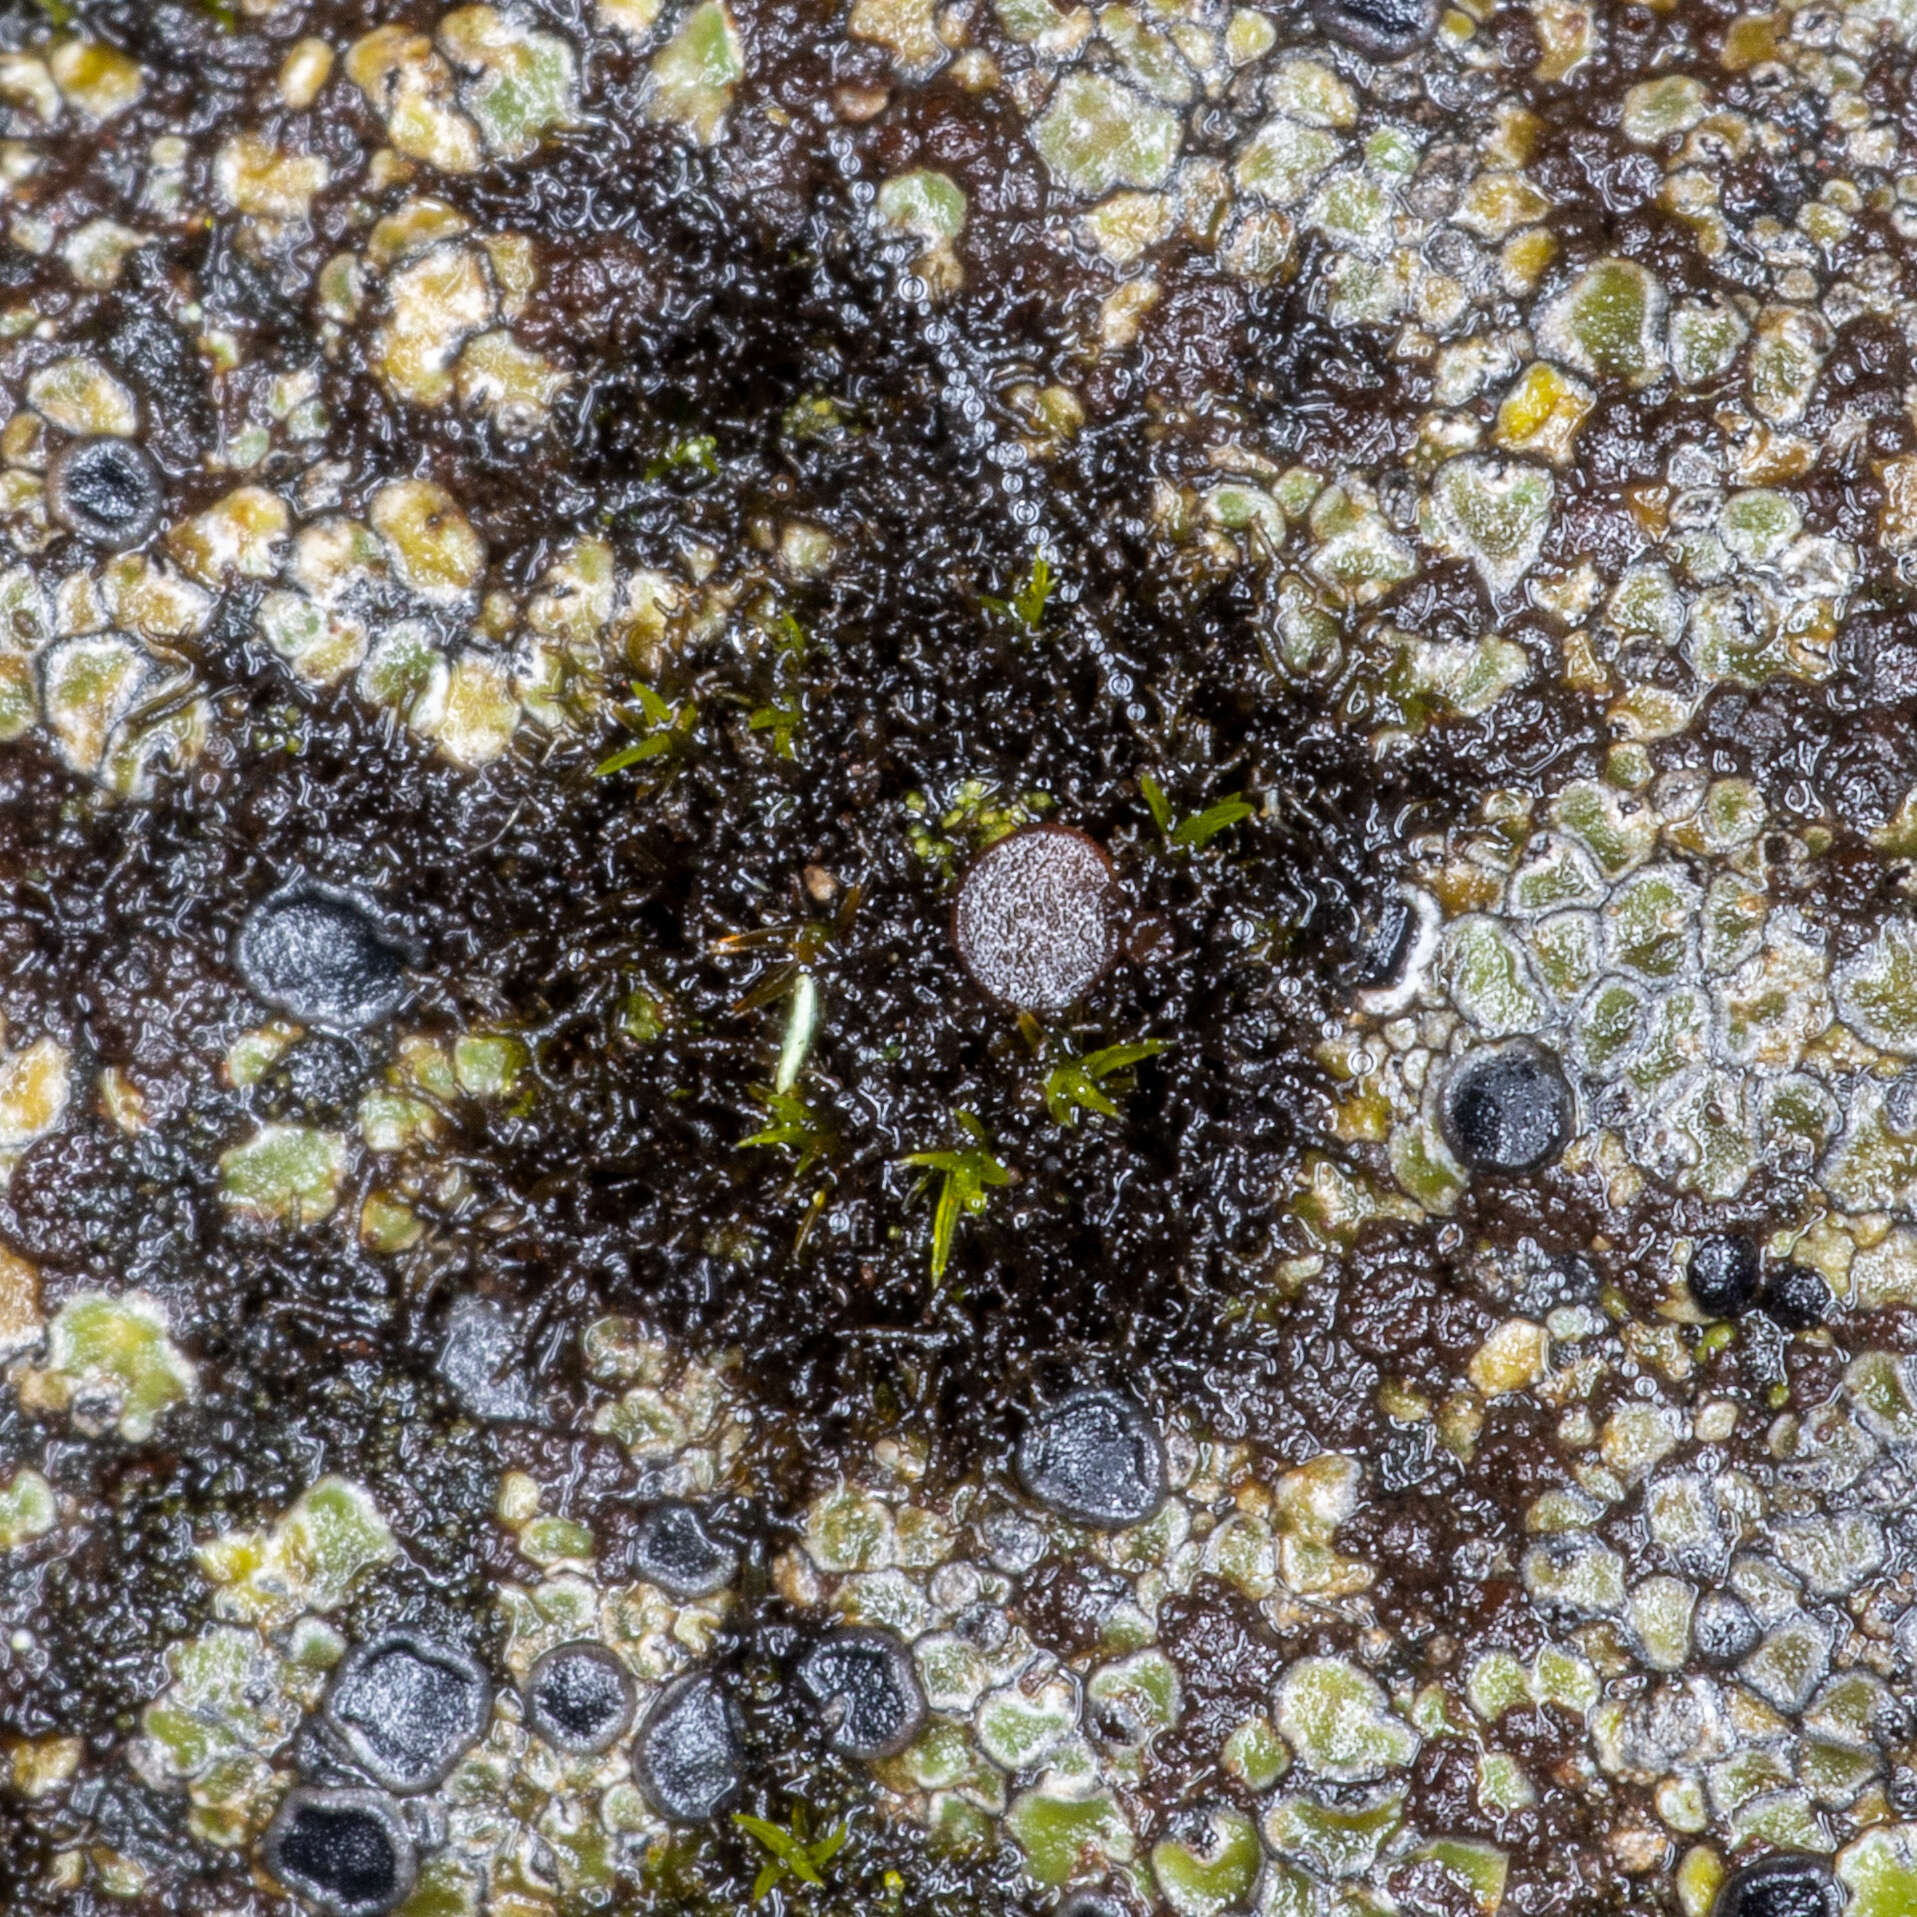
688	1763
1387	28
1724	1275
1095	1457
409	1709
480	1361
321	956
1797	1298
106	490
1507	1110
579	1697
343	1853
1787	1885
674	1549
867	1691
1034	923
1397	940
1385	944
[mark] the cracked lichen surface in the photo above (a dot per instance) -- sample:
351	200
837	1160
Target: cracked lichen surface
648	490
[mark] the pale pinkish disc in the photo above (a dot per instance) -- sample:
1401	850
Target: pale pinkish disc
1035	921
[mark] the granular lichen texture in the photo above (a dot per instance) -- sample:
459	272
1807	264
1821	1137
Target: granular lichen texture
958	958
